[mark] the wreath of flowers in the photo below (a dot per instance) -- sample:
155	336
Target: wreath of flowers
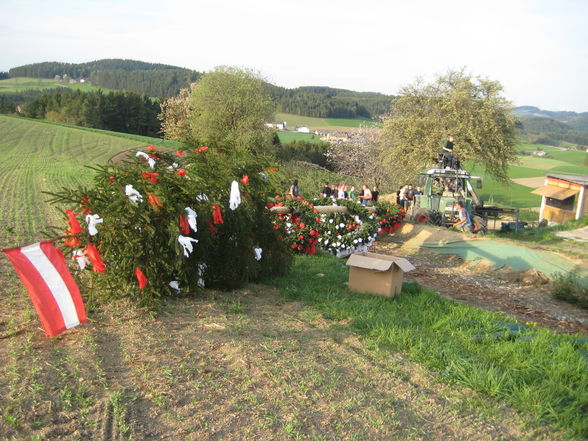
344	233
299	228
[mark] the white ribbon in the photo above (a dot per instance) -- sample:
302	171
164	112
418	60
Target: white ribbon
92	220
258	252
134	195
191	215
150	160
80	257
175	285
186	243
235	197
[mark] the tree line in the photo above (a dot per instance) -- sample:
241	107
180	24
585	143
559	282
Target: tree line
164	81
49	69
119	111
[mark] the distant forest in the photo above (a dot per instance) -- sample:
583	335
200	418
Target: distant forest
164	81
119	111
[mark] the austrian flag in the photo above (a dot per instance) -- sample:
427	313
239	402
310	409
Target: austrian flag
52	289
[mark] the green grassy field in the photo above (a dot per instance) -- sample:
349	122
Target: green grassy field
286	137
563	161
317	123
20	84
38	157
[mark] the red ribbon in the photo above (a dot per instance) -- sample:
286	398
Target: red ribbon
92	253
74	228
217	217
211	228
245	179
154	201
141	278
201	149
86	205
184	225
150	176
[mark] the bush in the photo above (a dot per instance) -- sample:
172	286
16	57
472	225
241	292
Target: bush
145	233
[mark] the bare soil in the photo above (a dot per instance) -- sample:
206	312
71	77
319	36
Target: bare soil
246	365
524	295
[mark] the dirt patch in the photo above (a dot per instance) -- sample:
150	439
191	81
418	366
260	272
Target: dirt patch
240	366
531	182
524	295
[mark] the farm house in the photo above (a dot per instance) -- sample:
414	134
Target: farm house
564	197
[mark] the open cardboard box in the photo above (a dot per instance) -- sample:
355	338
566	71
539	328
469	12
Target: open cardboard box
379	274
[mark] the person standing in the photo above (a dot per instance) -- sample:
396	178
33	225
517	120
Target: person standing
366	197
351	193
375	193
294	190
326	190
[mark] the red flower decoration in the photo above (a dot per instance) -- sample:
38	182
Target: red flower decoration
201	149
92	253
181	172
277	196
272	170
245	180
180	152
151	149
111	180
141	278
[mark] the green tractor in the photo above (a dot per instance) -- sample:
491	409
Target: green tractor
442	188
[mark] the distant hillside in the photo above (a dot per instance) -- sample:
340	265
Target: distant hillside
153	79
162	80
552	128
576	121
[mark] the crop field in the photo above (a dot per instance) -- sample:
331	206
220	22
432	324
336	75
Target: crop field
286	137
38	157
20	84
321	123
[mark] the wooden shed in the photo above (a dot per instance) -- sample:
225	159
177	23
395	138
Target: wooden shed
564	197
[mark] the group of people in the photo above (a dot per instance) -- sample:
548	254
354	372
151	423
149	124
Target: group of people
406	195
364	196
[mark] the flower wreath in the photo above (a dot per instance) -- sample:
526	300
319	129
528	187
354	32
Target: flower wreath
300	227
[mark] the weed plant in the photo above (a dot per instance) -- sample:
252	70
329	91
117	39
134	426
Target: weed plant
571	288
536	370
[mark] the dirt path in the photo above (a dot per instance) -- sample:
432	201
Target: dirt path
523	295
240	366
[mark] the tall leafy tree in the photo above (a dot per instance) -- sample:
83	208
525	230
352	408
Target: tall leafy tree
471	108
227	108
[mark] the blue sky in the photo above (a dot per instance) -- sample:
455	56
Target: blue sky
538	50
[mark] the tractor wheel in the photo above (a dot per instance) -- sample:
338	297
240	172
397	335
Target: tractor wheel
427	216
480	226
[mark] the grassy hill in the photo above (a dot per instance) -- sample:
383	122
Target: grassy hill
39	156
21	84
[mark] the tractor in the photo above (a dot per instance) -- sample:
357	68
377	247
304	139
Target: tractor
442	188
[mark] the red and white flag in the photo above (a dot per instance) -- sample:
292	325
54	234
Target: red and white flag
54	293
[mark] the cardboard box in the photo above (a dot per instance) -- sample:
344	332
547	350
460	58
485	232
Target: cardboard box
379	274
